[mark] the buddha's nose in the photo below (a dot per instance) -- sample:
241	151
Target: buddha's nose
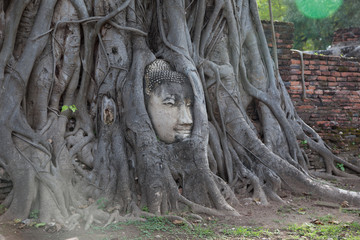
185	117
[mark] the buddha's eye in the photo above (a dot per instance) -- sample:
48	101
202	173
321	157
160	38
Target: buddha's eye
169	101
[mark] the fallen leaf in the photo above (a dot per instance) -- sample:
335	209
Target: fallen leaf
345	204
178	222
317	222
42	224
334	222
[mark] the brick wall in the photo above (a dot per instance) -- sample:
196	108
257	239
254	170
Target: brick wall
346	35
284	32
332	85
332	106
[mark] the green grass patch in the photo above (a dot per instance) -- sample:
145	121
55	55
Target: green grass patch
248	232
162	226
326	228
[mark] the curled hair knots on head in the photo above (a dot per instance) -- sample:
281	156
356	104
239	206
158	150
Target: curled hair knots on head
158	72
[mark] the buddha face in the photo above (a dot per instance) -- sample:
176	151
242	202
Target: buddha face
170	109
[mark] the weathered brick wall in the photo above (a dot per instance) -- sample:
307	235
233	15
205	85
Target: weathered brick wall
332	85
284	32
346	35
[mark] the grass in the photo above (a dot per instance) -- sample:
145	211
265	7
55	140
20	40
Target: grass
248	232
160	226
325	227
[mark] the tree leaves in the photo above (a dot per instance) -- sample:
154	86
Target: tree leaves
66	107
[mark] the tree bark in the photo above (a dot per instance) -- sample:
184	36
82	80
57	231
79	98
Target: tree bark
75	131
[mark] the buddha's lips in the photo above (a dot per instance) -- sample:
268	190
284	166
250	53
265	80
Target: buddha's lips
184	131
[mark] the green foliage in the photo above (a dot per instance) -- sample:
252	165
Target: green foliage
278	9
17	220
41	224
155	224
145	209
162	226
318	8
248	232
340	166
304	144
34	214
311	33
101	203
71	107
326	228
2	209
316	34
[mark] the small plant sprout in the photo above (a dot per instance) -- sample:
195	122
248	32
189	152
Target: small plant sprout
73	108
304	143
34	214
340	166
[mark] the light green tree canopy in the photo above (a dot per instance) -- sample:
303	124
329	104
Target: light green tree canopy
314	21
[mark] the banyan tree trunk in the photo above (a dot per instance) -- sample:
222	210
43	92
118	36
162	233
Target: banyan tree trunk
74	117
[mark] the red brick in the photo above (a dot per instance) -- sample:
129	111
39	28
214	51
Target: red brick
322	78
295	77
305	107
294	83
353	69
354	100
322	123
353	79
332	63
295	88
317	72
343	92
349	64
326	73
323	68
313	67
326	97
295	71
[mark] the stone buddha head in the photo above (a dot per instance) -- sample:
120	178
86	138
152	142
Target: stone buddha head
169	99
